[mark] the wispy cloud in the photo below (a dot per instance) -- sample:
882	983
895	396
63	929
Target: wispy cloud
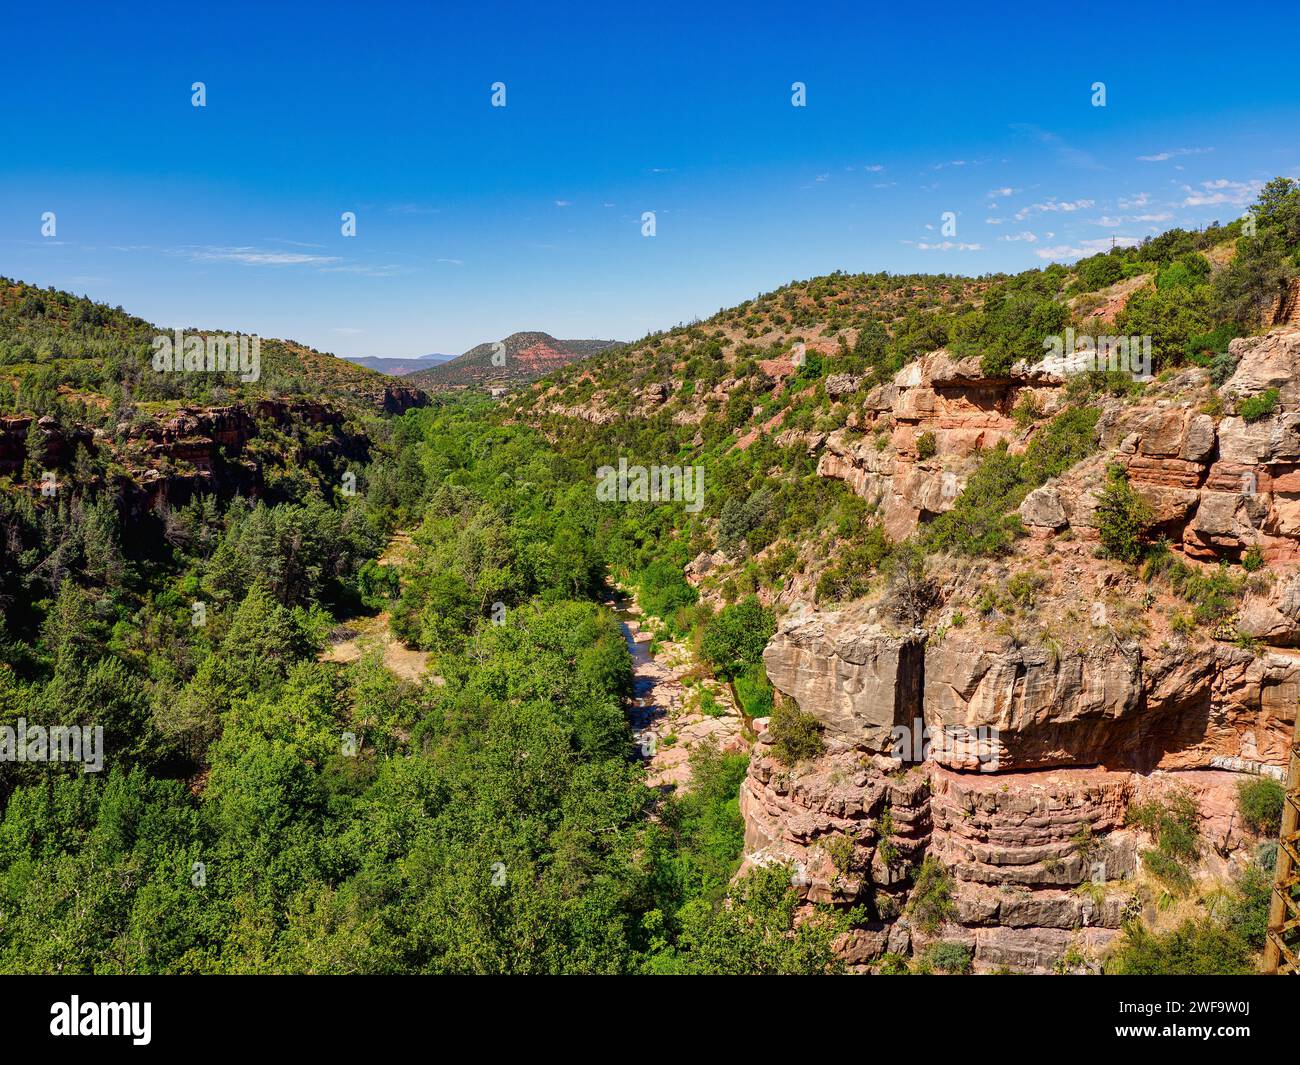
1221	190
250	256
1073	157
1173	153
1051	205
413	208
947	245
1084	247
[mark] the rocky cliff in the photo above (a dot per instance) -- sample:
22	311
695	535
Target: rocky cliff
1009	733
192	450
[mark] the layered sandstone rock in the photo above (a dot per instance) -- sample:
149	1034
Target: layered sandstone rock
1032	756
1217	487
957	405
862	679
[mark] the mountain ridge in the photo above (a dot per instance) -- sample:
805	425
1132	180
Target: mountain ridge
517	359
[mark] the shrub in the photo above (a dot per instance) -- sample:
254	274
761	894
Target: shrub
1246	909
948	957
1194	948
754	691
736	636
1258	406
1098	271
1253	559
1026	410
931	900
1122	517
1260	802
795	735
926	446
663	589
1222	366
1213	593
911	591
1174	823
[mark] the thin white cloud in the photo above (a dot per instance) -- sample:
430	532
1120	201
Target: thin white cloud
1023	235
947	245
249	256
1221	190
1053	205
1173	153
1084	247
1075	158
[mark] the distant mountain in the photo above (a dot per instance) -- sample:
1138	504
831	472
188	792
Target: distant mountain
398	367
519	358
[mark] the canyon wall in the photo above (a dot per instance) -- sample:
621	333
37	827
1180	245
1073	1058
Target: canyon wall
1009	744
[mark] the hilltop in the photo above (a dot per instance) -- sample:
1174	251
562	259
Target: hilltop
83	397
398	367
519	358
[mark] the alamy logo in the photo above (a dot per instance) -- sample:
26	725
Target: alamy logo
653	484
57	743
954	744
103	1018
1083	354
179	353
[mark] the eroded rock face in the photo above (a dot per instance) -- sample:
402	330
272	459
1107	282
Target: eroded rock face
1217	487
1031	832
1043	719
950	403
849	832
1045	707
857	679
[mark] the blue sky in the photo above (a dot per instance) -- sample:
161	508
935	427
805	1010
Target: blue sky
475	221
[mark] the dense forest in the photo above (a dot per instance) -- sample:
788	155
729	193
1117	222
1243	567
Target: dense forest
261	810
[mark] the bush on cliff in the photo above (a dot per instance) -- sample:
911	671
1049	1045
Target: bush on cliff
1194	948
1122	517
1260	801
795	735
1173	822
1259	406
931	900
981	522
953	958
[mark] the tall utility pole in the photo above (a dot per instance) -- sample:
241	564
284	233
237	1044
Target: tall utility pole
1282	949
